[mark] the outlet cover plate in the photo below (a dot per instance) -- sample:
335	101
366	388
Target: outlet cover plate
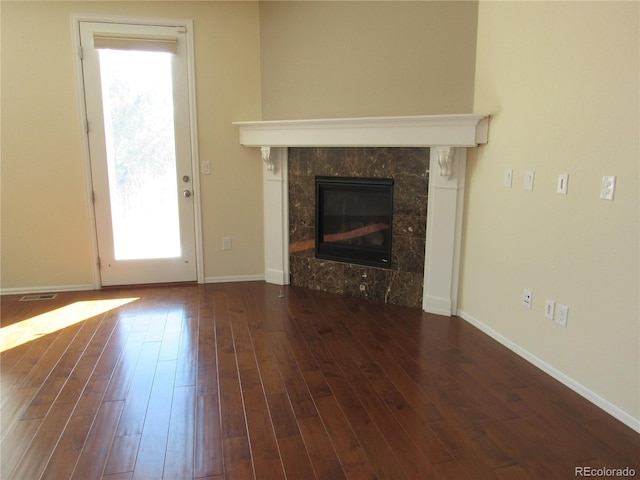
526	299
562	315
608	187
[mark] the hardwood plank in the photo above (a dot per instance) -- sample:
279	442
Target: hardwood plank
245	356
91	398
123	454
451	470
157	324
66	453
16	443
380	455
206	377
237	459
208	449
112	352
120	380
171	339
35	351
353	458
187	355
467	453
44	399
231	406
301	400
51	356
155	433
513	472
93	457
412	460
376	389
264	448
135	406
13	408
324	459
119	476
293	451
36	456
179	457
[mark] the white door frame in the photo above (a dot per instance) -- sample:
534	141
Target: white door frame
188	24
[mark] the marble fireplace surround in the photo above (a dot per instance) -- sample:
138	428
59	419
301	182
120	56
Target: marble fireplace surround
448	137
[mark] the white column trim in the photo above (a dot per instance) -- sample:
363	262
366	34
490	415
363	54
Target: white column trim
444	234
276	217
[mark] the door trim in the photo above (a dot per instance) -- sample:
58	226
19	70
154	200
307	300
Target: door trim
195	164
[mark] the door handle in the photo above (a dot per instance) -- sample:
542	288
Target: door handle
187	193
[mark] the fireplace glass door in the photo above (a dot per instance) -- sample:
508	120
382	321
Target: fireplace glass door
354	220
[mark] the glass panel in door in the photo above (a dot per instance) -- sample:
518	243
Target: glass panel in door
137	91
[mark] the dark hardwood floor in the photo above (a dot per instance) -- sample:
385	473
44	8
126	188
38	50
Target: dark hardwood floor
230	381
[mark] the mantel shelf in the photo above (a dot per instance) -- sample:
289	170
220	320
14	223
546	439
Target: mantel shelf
461	130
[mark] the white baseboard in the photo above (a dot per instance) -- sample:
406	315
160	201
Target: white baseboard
89	286
437	305
47	289
577	387
277	277
234	278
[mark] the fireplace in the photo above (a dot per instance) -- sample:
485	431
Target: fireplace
374	243
354	218
448	136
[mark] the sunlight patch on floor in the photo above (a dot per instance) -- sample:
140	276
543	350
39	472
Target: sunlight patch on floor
35	327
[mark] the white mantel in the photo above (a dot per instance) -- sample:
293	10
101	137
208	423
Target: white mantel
449	136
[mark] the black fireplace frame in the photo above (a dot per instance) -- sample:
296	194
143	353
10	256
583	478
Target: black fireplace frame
359	255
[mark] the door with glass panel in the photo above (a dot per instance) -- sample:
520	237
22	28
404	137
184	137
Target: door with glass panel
137	106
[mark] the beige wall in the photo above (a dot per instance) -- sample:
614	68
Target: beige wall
352	59
46	238
561	82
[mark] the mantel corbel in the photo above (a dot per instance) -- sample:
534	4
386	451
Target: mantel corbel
266	157
445	160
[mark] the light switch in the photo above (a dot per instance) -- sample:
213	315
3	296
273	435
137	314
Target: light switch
563	180
508	177
528	180
205	167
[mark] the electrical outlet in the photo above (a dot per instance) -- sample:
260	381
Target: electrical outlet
549	308
527	299
226	243
562	315
608	187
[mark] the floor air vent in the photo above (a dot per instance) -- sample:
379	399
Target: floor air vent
36	297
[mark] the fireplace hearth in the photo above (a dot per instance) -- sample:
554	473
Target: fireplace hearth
389	186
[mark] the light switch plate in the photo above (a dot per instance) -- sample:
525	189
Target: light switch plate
508	177
563	180
528	180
